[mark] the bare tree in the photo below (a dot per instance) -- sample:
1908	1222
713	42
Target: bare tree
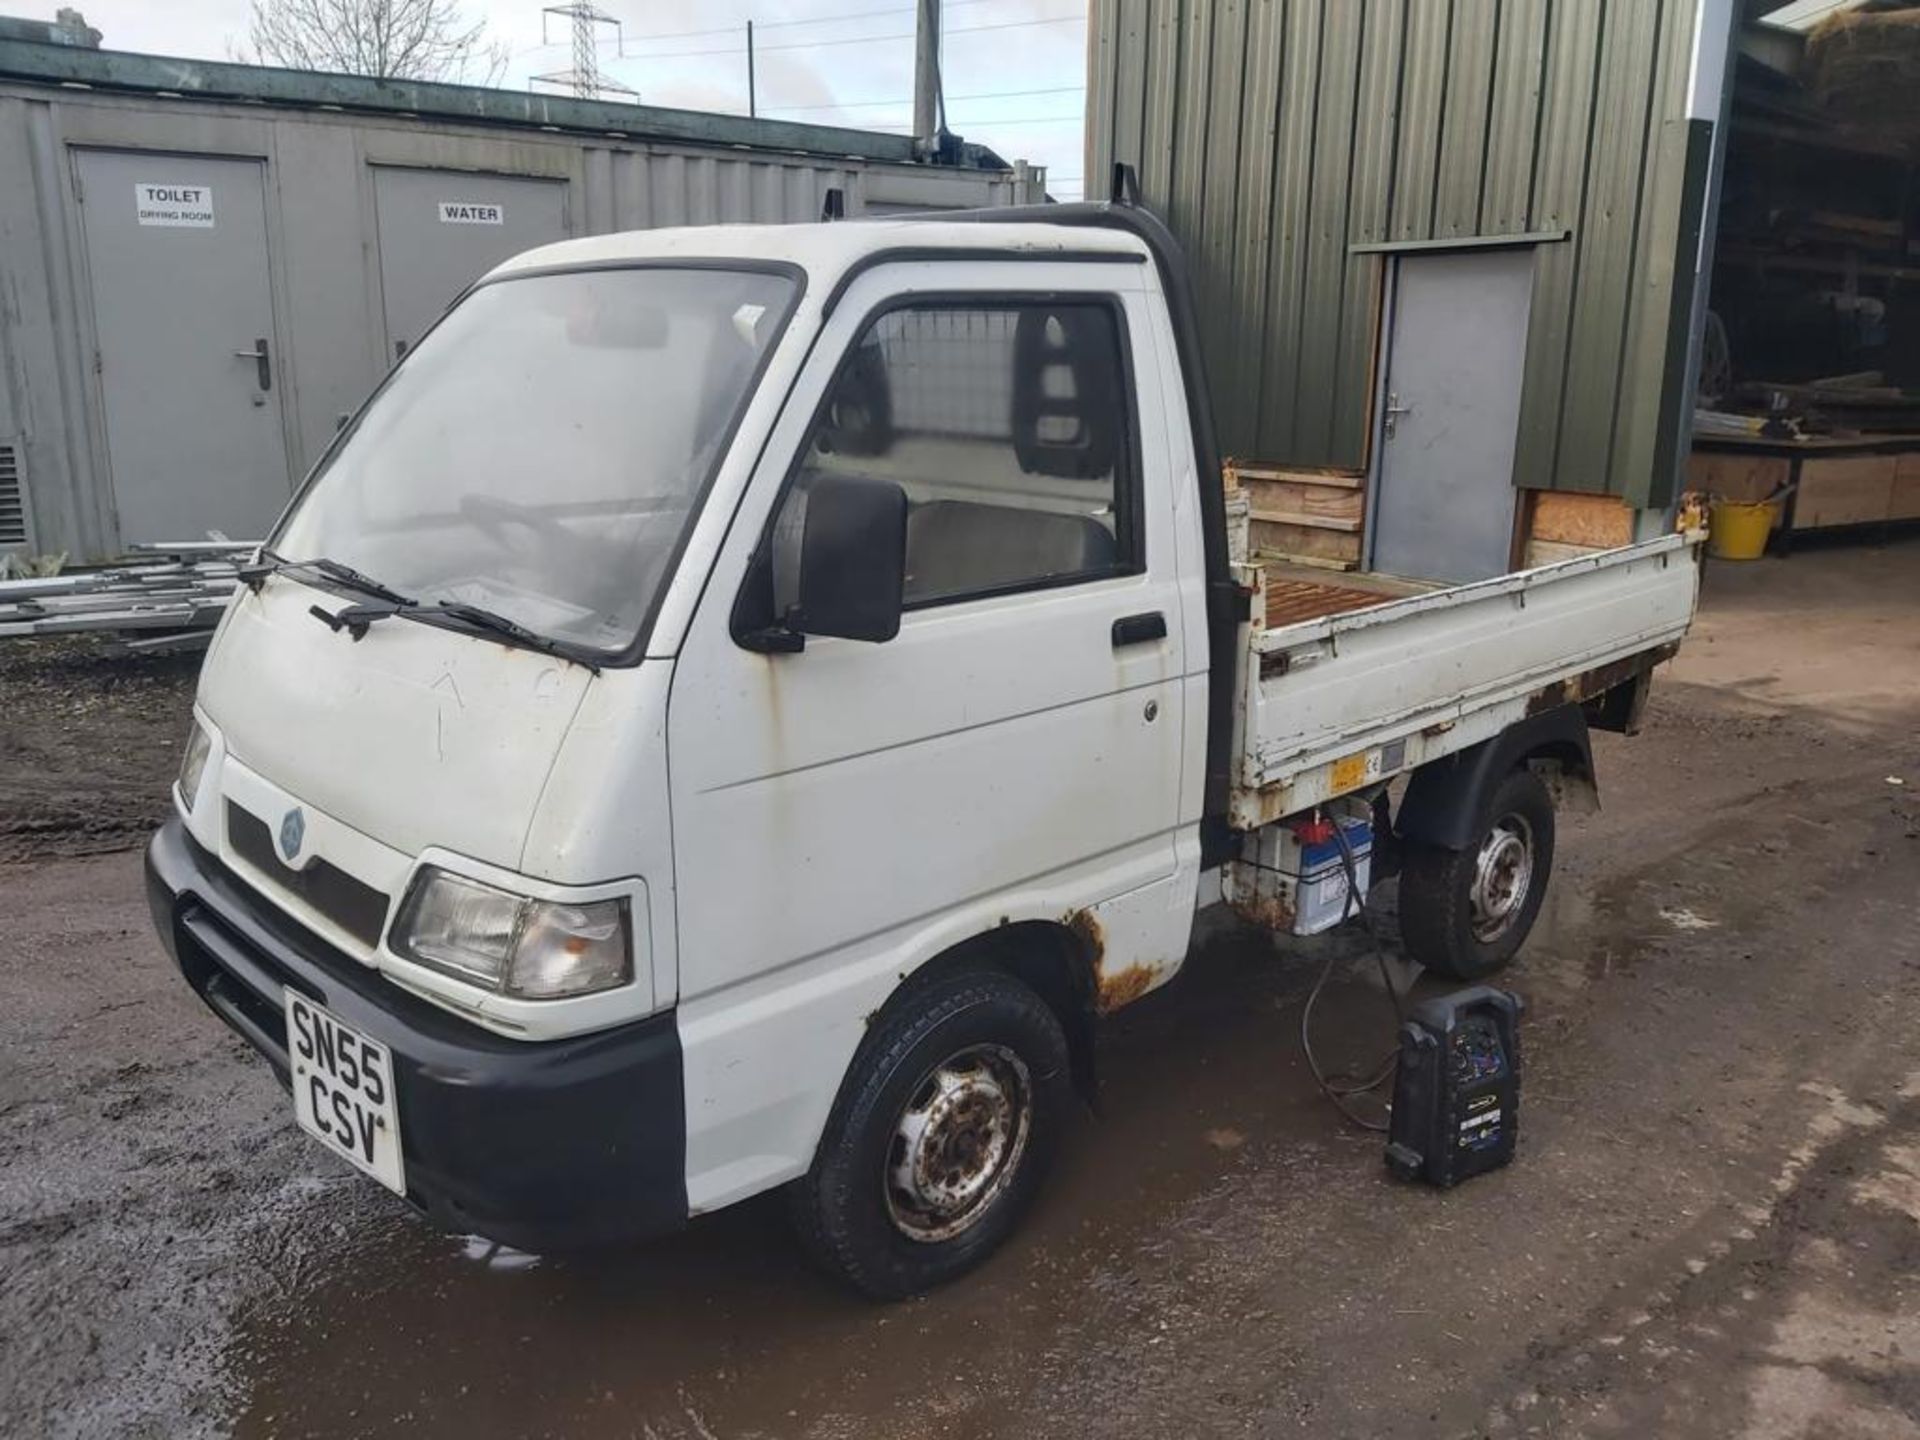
402	39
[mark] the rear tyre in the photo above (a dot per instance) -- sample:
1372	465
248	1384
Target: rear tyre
1464	913
943	1129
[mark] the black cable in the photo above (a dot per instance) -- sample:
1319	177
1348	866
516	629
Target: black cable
1351	1085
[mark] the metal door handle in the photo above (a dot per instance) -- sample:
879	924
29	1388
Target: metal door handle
1139	629
1394	411
263	363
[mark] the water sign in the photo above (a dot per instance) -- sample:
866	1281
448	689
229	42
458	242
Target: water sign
471	212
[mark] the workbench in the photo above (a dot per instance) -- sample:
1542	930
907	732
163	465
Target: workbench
1839	481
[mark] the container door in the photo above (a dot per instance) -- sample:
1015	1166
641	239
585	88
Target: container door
190	368
1444	497
440	230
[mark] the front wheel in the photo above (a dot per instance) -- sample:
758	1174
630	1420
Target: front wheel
1464	913
938	1141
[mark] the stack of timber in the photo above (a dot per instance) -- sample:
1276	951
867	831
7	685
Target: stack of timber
1311	517
1839	404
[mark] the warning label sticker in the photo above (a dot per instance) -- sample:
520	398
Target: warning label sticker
186	205
471	212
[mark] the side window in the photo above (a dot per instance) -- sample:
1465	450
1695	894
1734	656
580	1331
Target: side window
1008	426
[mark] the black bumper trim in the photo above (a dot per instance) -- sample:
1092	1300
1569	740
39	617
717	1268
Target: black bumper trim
541	1145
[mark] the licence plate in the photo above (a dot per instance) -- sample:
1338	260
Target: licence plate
343	1091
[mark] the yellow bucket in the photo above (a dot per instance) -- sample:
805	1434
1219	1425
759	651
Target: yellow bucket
1739	530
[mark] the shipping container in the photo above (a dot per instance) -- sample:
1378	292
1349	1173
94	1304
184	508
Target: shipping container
207	266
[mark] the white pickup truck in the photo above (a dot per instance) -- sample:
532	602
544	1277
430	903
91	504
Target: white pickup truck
738	704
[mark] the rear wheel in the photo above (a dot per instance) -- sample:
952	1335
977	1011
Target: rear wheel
939	1139
1464	913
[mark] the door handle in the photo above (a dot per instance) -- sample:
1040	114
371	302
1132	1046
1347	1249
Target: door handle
1139	629
1394	411
263	363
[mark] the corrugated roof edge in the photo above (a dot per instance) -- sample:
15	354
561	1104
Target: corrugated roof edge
121	70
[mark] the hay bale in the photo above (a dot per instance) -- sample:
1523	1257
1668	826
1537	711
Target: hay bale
1863	66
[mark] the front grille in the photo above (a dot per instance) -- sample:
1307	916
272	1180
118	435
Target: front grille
353	905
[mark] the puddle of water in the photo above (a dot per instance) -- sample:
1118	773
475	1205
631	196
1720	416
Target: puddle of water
1681	918
495	1256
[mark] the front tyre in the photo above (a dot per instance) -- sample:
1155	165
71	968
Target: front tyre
943	1129
1464	913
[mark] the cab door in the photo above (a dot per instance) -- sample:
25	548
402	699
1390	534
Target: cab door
1015	752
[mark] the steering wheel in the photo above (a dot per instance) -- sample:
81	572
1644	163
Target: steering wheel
495	515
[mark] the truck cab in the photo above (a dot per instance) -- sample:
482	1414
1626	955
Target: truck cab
730	712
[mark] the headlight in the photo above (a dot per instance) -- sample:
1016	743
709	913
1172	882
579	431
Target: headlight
193	764
534	949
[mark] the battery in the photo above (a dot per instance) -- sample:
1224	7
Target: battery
1292	875
1456	1095
1320	894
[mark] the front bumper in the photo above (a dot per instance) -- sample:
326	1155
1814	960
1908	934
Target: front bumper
543	1145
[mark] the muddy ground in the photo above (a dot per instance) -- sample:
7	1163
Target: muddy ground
89	740
1712	1228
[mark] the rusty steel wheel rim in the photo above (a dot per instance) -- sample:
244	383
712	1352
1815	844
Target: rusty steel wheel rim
1502	876
958	1142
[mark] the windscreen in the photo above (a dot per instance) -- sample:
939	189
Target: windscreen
541	452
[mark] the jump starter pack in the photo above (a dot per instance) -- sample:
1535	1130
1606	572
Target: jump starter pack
1456	1095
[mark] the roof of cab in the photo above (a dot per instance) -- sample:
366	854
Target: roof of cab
826	249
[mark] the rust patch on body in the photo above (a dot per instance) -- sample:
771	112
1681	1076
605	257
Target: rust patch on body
1578	689
1270	911
1086	925
1111	988
1291	601
1122	987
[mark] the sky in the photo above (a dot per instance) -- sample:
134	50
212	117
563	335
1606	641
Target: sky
1015	70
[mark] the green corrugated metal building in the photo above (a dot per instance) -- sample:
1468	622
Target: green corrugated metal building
1296	146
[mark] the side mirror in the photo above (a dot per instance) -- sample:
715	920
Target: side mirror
853	559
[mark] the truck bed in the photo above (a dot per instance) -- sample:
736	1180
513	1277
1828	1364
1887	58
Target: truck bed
1297	592
1377	682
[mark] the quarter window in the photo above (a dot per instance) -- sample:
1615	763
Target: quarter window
1007	425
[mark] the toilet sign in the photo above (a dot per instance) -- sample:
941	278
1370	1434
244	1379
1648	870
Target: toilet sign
471	212
180	205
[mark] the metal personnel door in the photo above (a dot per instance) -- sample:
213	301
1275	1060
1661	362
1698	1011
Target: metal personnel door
440	230
189	367
1444	497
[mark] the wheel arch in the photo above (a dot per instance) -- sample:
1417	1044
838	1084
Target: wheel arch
1049	957
1443	800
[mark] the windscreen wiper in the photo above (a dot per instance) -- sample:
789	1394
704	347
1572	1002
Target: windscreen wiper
354	619
271	563
511	631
